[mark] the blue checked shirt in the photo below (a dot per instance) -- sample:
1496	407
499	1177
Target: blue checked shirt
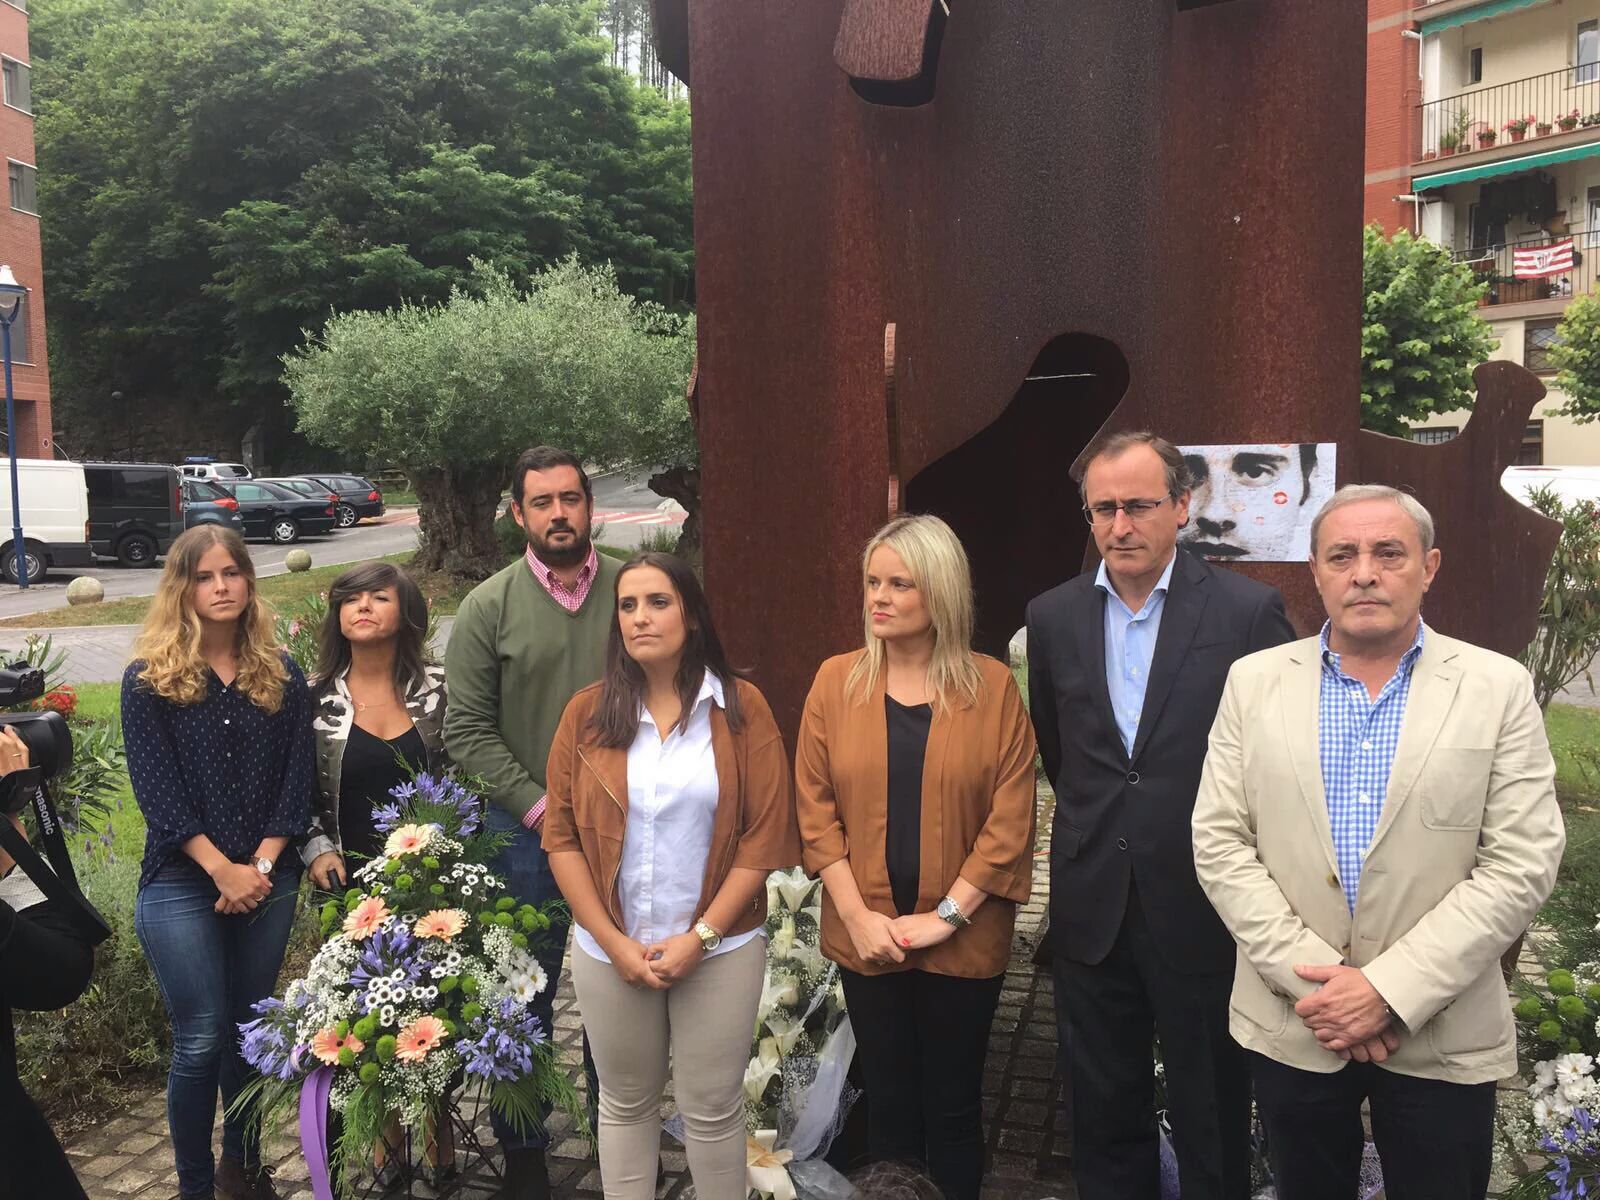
1358	738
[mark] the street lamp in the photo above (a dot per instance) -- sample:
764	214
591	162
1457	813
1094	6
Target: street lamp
11	297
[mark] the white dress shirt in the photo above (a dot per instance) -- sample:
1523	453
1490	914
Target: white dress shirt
672	806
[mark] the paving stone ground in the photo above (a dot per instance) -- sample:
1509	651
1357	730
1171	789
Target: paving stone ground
131	1156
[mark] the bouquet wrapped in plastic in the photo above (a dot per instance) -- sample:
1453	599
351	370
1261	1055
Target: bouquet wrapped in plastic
422	981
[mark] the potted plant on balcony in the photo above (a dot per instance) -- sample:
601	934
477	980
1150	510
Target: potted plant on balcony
1543	128
1592	119
1449	143
1486	138
1517	127
1568	121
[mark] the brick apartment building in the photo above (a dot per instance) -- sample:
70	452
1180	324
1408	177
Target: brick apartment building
19	237
1483	135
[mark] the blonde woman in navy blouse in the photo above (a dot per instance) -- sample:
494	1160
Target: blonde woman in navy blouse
217	723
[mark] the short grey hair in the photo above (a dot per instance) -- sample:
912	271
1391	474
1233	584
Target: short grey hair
1356	493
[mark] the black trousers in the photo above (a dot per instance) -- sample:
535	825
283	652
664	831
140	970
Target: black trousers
921	1040
1113	1012
1434	1139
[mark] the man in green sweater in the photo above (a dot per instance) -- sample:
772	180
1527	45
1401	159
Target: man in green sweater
524	641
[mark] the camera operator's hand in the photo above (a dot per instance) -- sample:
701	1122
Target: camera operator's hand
242	887
326	868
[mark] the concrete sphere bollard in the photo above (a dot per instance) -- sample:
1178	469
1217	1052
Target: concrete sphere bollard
298	560
85	589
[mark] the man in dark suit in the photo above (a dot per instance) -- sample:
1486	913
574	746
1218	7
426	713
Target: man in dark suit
1126	668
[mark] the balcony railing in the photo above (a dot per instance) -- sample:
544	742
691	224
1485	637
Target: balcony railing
1496	264
1557	102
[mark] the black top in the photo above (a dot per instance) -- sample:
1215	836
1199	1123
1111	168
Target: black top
223	767
908	745
371	767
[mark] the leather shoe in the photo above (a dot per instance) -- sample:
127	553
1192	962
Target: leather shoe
527	1175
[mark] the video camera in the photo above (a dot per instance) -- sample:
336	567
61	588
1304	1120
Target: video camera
49	743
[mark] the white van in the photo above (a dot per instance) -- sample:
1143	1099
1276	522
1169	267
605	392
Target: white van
55	517
1570	484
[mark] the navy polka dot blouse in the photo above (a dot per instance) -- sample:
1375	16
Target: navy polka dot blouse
222	767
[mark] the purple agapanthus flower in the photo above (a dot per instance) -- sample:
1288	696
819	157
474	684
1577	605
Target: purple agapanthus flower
499	1044
390	949
264	1042
386	818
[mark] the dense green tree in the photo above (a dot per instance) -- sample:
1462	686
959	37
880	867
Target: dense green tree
1421	334
1576	355
217	175
452	392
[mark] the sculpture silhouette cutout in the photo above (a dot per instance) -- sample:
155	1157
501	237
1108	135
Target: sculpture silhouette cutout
1163	196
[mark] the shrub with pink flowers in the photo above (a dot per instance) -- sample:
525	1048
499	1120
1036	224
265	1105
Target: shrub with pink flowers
422	982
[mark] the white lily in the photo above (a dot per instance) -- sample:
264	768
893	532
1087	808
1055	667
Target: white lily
808	959
794	887
783	939
785	1031
761	1069
766	1169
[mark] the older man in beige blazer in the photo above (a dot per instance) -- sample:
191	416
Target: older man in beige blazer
1376	824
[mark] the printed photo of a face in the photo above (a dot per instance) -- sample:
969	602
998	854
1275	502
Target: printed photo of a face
1254	503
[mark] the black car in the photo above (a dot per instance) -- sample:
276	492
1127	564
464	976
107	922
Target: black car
312	491
358	496
275	512
135	510
208	503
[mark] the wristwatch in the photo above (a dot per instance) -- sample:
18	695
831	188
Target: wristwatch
950	913
710	939
265	865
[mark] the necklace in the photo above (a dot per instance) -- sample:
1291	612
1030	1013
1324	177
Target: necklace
360	707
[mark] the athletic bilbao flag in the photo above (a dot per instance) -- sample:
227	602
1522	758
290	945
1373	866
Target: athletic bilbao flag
1535	262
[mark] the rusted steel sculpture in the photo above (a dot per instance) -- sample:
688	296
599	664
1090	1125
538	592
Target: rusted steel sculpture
944	243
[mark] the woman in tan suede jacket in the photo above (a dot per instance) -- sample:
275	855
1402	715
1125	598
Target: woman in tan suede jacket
915	792
670	801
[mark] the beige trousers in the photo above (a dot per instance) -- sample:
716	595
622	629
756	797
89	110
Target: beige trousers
706	1022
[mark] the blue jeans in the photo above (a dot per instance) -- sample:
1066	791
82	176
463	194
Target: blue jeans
525	868
211	968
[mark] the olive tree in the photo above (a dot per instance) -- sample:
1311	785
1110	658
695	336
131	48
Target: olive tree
453	392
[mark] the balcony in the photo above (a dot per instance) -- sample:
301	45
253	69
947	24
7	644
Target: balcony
1564	106
1495	264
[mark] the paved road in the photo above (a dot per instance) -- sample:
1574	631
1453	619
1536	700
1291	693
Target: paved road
627	508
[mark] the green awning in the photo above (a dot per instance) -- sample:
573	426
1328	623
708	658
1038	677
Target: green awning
1465	16
1505	166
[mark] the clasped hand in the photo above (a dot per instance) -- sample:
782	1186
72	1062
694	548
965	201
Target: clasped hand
884	940
1347	1014
241	888
659	965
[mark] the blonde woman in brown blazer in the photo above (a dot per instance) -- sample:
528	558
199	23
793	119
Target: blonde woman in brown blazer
915	791
669	802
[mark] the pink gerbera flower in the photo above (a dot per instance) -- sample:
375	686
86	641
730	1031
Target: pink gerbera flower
369	916
443	923
327	1044
408	839
415	1041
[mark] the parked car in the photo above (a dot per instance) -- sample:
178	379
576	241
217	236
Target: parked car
273	512
205	468
305	487
135	510
55	518
358	496
208	503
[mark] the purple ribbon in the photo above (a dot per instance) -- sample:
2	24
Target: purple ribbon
314	1130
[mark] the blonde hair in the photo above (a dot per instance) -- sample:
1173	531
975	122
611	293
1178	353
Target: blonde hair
169	641
938	565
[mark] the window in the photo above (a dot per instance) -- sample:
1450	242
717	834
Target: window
1475	65
24	188
1436	435
19	91
1532	452
249	491
1587	53
1537	338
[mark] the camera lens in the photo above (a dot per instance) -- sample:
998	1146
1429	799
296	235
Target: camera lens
48	738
